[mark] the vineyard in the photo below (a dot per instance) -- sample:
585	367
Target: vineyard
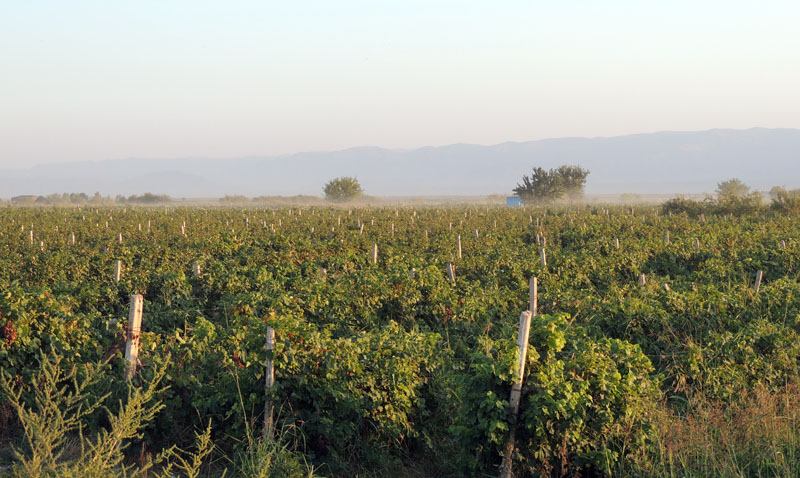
663	344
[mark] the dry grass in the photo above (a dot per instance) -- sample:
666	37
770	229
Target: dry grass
759	436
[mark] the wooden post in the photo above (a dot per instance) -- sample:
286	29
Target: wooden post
269	382
616	242
374	253
543	257
533	295
696	243
451	271
666	237
117	271
134	329
476	234
458	242
196	269
757	283
516	392
642	279
119	238
72	238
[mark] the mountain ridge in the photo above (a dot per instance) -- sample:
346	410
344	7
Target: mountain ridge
660	162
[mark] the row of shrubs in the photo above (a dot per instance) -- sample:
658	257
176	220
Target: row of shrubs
782	201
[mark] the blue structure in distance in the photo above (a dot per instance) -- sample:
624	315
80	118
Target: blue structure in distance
513	201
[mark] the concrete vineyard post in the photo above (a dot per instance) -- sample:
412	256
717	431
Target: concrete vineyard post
696	243
269	382
458	243
516	391
642	279
196	269
374	253
757	283
533	295
616	242
134	329
117	271
411	273
451	272
543	257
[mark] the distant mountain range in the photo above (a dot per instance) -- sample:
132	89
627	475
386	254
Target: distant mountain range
656	163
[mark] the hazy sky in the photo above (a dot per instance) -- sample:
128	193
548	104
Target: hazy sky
90	80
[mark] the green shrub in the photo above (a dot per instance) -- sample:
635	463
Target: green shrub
584	401
787	202
681	205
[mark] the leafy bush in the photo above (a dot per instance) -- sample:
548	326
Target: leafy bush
344	188
585	401
550	185
681	205
787	202
739	205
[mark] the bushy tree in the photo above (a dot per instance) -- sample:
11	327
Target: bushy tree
680	204
734	197
344	188
785	201
732	188
550	185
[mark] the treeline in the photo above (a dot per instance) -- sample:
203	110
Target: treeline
735	197
301	199
67	199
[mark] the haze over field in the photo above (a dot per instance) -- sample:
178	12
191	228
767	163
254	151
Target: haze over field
662	163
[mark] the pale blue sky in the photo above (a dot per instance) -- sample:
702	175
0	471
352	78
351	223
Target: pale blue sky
91	80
